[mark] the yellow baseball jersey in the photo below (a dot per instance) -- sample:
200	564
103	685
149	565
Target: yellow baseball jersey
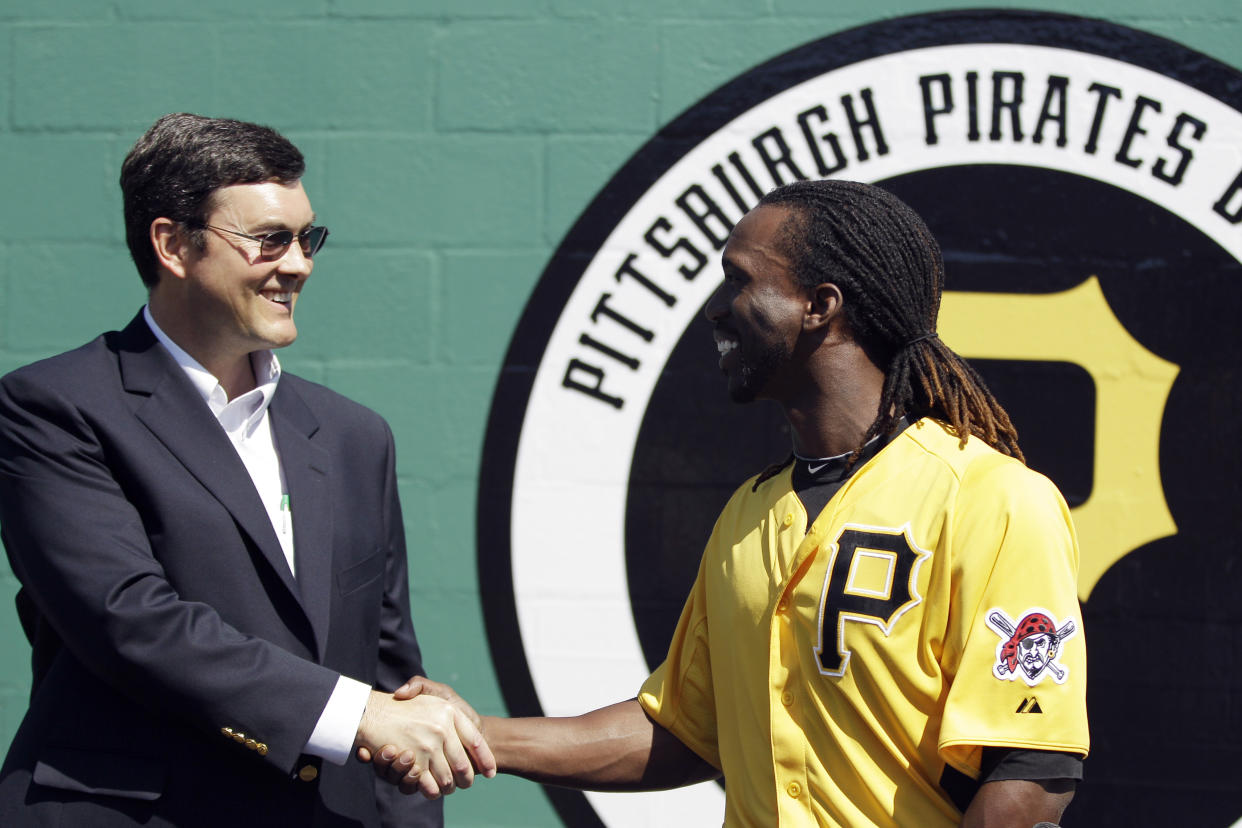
930	610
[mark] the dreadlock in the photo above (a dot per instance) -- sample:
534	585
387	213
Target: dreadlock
888	267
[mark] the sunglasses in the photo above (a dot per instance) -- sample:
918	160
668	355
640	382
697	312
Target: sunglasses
274	245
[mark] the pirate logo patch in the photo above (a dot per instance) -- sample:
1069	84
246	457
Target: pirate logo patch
1029	648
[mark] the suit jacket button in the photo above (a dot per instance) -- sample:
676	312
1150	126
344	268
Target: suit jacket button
227	731
252	744
308	773
261	748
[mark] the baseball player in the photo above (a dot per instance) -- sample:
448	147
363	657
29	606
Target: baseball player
846	656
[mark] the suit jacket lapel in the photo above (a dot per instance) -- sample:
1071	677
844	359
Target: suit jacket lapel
178	417
308	469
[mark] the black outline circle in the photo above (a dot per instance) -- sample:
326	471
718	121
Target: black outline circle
653	160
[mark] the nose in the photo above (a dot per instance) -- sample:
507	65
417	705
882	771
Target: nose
716	308
294	262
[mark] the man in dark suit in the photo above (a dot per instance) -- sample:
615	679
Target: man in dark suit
211	552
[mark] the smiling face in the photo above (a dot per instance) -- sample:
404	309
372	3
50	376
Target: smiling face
758	310
229	300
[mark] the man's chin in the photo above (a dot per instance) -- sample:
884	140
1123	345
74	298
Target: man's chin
280	336
744	385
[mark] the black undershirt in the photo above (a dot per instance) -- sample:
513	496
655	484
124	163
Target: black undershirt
815	481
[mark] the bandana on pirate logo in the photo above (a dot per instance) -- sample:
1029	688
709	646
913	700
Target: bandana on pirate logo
1029	647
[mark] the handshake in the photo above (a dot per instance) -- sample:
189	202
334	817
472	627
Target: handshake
423	738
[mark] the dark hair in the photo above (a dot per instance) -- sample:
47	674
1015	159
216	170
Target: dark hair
888	267
175	168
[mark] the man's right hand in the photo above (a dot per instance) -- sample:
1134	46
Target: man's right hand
424	744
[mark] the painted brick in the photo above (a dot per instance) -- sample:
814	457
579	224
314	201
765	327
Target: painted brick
55	186
440	531
578	168
224	11
314	148
461	398
436	616
51	288
663	9
503	802
104	76
441	624
6	67
466	190
371	383
374	74
446	9
417	514
867	11
308	369
1215	37
697	58
5	304
59	10
364	303
436	414
563	77
481	292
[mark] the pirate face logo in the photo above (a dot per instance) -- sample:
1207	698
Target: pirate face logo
1029	648
1035	651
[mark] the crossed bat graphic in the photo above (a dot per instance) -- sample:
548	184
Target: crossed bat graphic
1067	629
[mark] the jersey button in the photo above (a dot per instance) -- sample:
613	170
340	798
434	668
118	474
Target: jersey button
794	789
787	698
789	519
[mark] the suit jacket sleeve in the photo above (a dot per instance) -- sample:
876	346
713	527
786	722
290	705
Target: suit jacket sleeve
81	550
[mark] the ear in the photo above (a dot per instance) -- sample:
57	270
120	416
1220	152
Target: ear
172	246
824	304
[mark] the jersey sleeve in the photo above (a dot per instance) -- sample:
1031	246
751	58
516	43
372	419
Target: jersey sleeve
1015	651
679	695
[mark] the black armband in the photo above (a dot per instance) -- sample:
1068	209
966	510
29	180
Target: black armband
1035	765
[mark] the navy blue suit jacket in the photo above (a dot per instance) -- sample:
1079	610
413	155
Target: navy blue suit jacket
163	618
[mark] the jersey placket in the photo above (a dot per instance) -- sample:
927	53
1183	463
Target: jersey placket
789	762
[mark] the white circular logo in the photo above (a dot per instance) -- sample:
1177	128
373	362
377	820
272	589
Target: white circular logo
1058	160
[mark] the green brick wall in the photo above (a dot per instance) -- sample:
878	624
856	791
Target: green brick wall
450	145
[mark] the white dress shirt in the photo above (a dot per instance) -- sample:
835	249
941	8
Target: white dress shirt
245	419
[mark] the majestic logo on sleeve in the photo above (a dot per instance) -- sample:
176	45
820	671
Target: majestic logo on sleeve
1029	648
1085	183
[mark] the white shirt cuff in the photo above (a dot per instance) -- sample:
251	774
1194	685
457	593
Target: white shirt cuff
334	734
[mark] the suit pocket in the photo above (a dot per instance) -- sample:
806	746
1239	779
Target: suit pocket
103	774
362	574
